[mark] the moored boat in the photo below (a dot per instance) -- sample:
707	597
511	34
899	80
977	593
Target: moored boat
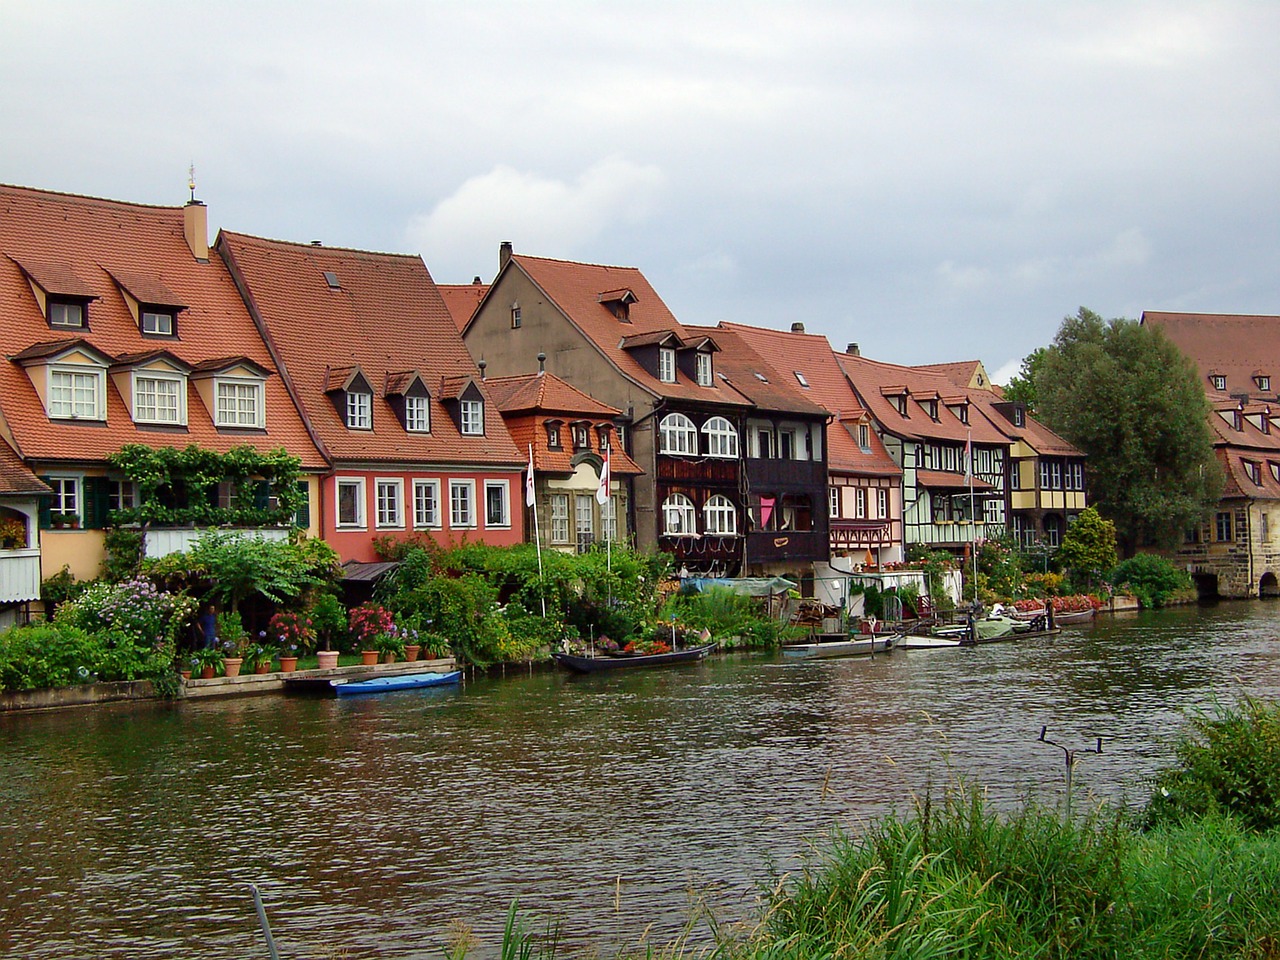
842	645
621	661
400	681
917	641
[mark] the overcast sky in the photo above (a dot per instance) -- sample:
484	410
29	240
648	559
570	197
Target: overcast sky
935	180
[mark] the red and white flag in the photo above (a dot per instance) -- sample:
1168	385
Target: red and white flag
528	481
968	457
602	491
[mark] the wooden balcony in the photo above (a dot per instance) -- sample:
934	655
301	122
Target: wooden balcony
797	546
788	476
19	575
162	541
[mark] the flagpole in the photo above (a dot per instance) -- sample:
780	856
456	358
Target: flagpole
973	519
532	501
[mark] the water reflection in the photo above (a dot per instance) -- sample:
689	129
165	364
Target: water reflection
608	802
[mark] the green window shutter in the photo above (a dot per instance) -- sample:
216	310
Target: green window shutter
97	502
46	506
302	518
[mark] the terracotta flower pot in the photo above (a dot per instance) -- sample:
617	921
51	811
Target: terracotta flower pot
231	666
186	674
262	668
328	659
411	652
288	664
368	657
206	672
389	657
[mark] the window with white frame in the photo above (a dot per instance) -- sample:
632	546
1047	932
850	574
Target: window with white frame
720	517
462	503
667	365
833	500
426	503
158	400
1075	476
389	502
703	368
993	511
66	313
559	518
763	442
679	518
417	414
238	403
359	410
722	438
158	323
497	499
66	495
788	445
864	436
676	435
122	495
609	518
76	395
471	415
882	502
860	502
350	502
584	523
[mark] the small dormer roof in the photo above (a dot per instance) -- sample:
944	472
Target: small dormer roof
400	383
146	356
344	378
56	278
623	295
221	364
145	289
664	338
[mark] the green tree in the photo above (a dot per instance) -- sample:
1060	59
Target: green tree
1127	397
1022	387
1088	547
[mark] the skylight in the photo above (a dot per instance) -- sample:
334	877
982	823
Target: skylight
331	279
800	376
761	377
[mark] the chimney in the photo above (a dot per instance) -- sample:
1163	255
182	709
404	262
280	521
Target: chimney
195	228
477	282
542	364
797	327
504	254
853	350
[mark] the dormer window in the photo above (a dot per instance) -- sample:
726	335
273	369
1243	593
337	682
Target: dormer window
406	393
1218	380
76	395
67	314
667	364
618	302
159	399
471	418
553	435
702	362
1263	382
359	410
158	322
581	436
864	437
1253	470
417	414
1019	417
961	411
603	435
931	408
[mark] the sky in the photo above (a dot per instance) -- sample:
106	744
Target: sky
935	181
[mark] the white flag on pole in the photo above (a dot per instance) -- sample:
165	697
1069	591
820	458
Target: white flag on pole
968	458
602	491
528	481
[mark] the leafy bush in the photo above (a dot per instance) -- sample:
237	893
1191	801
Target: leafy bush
43	655
1153	579
726	615
1229	765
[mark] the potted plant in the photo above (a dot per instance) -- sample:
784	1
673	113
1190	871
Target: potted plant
389	645
435	646
368	622
296	634
13	534
328	618
64	518
409	635
234	639
207	660
258	657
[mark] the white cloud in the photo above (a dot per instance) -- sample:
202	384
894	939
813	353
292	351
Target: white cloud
541	215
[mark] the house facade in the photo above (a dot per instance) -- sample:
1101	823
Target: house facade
1236	553
121	329
581	475
606	331
388	392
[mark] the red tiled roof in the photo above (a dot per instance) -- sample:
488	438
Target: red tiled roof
15	476
811	355
739	363
1238	347
546	393
76	244
385	316
575	289
461	299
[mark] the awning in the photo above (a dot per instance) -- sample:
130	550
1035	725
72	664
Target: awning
367	572
746	586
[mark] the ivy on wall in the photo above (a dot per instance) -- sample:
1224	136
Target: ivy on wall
181	486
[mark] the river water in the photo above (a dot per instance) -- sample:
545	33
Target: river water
375	827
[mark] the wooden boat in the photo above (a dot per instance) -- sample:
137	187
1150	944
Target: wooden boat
1059	616
622	661
915	641
398	681
842	645
985	630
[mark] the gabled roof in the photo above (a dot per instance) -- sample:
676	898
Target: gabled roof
385	316
546	393
75	246
737	364
1238	347
964	373
575	289
15	476
811	355
461	299
146	289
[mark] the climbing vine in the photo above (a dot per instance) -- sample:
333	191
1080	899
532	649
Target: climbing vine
178	486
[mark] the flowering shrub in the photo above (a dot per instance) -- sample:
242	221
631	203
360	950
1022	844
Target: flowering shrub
367	622
647	647
134	609
295	632
13	533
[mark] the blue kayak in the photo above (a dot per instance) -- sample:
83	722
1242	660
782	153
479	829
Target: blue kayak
402	681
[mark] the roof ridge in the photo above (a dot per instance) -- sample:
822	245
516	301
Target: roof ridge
61	194
574	263
306	245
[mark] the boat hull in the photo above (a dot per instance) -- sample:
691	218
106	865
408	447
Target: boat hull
579	664
852	647
403	681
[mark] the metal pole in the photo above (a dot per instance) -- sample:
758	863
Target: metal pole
262	922
1069	757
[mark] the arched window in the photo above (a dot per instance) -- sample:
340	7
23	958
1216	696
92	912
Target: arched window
720	517
722	438
676	434
679	519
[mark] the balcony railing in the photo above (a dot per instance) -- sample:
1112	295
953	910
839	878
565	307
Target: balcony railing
19	575
162	541
801	546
